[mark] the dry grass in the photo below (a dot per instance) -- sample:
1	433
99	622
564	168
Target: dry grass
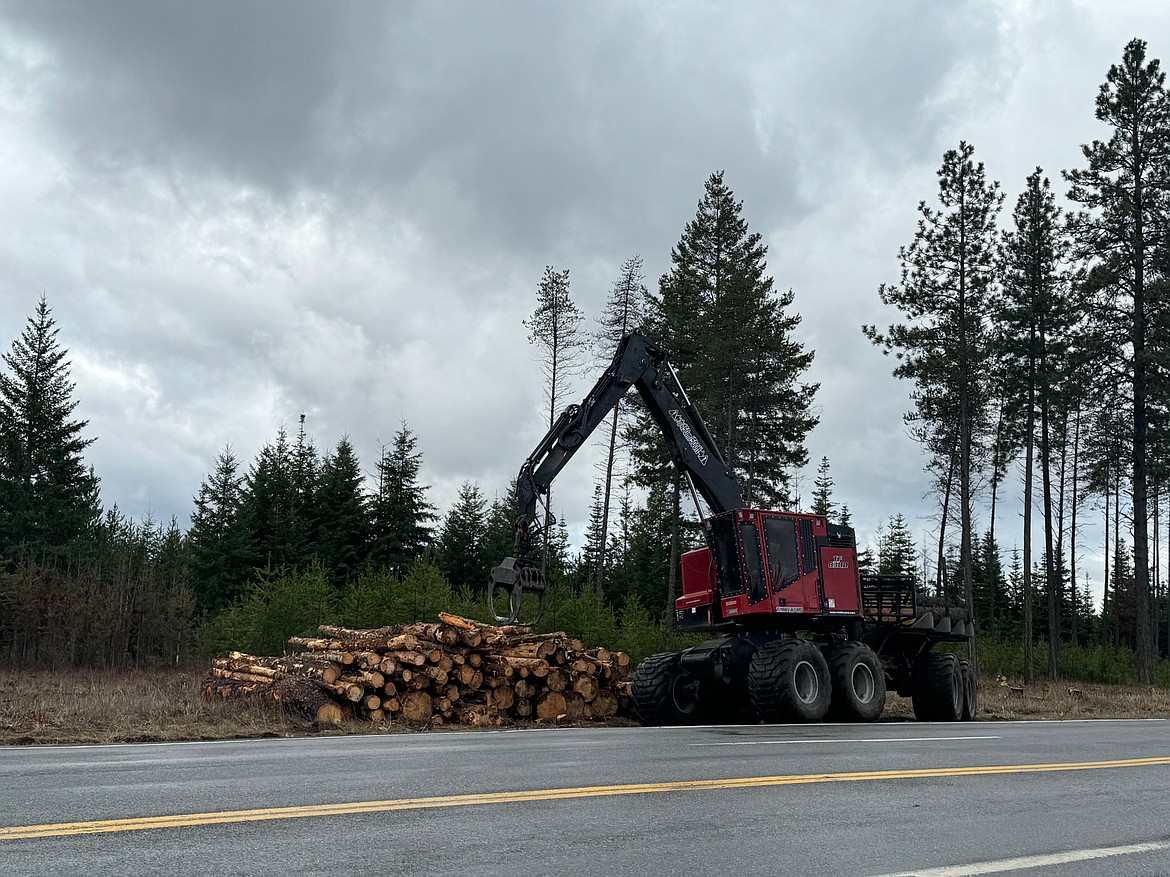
151	706
1011	700
133	706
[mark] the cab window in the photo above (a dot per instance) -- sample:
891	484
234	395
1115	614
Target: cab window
780	537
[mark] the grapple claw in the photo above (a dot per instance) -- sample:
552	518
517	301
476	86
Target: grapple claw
516	579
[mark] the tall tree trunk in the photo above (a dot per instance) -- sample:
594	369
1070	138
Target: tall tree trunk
604	547
1072	530
1029	445
1104	637
1050	570
1141	535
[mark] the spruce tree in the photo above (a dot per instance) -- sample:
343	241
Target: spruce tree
269	512
730	333
402	515
897	555
220	556
48	495
461	547
1123	233
822	503
946	296
341	522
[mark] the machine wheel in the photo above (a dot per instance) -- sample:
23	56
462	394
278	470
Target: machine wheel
663	693
938	688
970	691
788	681
859	683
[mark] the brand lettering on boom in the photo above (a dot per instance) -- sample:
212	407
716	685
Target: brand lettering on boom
692	439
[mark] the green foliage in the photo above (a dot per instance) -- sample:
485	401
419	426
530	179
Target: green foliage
340	517
48	496
278	605
730	334
897	554
822	498
402	514
124	603
1102	664
221	561
945	297
461	546
582	615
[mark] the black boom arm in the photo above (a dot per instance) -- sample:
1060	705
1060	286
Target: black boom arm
638	363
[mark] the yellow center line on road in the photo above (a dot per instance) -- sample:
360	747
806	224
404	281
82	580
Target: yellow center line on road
66	829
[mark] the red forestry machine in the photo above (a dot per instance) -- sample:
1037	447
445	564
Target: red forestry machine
796	633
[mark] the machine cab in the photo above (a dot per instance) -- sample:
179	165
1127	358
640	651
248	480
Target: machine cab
763	563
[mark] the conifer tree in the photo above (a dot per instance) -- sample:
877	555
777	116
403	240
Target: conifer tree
625	310
500	528
823	490
48	496
270	508
461	547
220	554
897	555
402	515
555	328
341	524
1036	326
1124	235
730	333
946	296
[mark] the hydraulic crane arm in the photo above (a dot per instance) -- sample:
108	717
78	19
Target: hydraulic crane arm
637	363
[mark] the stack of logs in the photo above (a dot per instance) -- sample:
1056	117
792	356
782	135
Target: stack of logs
453	671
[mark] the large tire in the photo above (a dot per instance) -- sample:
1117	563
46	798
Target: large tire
970	692
938	688
859	683
663	693
788	681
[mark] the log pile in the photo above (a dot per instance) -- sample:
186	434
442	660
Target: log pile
453	671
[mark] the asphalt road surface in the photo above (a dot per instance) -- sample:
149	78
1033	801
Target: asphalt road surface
939	800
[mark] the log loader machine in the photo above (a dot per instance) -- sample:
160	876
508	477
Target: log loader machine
795	632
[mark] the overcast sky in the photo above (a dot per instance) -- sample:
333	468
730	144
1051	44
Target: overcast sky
242	211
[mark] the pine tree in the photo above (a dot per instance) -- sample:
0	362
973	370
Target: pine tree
220	555
341	524
402	515
48	496
1036	326
823	490
1124	234
625	310
461	550
555	327
946	294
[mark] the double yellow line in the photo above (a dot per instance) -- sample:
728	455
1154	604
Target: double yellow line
66	829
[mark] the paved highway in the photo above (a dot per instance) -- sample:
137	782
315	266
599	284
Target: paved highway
1037	798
